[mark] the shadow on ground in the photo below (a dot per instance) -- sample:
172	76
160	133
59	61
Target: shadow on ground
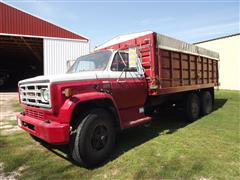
167	121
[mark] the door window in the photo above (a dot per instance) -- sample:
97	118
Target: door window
120	61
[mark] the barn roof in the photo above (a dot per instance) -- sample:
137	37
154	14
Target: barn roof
14	21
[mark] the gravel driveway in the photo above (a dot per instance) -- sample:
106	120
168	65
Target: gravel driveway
8	113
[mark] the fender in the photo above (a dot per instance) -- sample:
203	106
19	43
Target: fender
69	105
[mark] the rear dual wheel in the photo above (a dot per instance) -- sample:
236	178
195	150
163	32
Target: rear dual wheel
192	107
196	106
94	139
206	102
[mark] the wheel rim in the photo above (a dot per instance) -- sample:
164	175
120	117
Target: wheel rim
99	137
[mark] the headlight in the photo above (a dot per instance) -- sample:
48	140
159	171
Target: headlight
45	95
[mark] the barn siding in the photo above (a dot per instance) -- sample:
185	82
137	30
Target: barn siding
58	52
229	64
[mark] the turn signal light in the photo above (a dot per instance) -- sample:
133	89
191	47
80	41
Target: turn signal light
67	92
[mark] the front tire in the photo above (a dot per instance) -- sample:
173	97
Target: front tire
94	139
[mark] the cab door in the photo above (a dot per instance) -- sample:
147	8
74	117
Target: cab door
129	86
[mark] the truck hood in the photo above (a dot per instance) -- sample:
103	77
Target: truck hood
66	77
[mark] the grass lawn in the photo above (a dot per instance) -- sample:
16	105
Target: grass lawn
208	148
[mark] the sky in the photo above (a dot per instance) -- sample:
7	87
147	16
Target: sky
188	20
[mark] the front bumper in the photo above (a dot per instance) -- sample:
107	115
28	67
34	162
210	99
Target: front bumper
49	131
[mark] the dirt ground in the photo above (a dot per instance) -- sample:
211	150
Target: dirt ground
8	113
8	125
12	175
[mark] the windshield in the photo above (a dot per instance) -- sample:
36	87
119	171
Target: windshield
91	62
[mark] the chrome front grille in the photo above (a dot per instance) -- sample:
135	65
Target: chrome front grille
31	94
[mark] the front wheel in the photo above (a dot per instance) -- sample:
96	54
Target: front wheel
94	139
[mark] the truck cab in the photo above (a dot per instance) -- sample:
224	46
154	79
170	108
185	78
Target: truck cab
108	86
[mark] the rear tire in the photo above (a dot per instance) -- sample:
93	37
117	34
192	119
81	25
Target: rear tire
206	103
192	107
94	139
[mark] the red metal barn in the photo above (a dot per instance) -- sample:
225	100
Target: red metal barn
31	46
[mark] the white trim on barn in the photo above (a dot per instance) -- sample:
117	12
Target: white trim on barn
56	54
43	37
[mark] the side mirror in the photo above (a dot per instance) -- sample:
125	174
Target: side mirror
70	63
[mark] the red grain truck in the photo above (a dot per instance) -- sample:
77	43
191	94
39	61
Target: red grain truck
117	87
